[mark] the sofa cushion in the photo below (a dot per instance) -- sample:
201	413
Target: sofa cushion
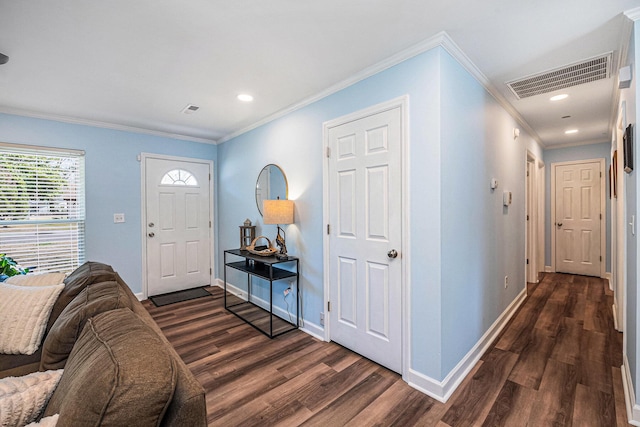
24	311
118	373
92	300
88	273
45	279
22	399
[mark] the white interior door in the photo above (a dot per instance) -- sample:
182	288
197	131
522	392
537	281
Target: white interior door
178	225
578	218
365	199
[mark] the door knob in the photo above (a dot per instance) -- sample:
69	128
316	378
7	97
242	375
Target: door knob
152	234
151	224
392	254
559	224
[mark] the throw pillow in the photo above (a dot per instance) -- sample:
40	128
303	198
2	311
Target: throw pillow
46	279
24	312
120	370
92	300
22	399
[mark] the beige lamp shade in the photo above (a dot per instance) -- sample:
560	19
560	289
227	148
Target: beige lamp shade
277	211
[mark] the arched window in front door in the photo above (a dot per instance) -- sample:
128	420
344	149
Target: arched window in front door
179	177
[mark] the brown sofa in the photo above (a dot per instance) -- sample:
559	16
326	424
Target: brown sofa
119	369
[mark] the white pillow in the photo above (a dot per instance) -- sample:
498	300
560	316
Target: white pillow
49	421
22	399
24	312
44	279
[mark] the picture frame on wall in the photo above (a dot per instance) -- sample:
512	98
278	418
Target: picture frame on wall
627	143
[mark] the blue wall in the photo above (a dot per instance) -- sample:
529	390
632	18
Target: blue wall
584	152
112	182
482	241
462	241
630	98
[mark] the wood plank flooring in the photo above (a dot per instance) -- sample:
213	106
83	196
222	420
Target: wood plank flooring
557	363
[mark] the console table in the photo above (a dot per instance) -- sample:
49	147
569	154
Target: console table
259	313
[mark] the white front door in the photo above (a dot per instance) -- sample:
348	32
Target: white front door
578	218
365	199
178	224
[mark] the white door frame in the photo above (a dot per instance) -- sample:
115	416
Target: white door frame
603	227
403	103
143	213
531	234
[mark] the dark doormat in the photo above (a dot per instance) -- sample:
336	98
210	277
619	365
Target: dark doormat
174	297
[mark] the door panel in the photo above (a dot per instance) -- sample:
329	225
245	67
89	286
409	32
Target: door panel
365	191
177	211
578	218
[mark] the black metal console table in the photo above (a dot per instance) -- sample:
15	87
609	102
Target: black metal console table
261	318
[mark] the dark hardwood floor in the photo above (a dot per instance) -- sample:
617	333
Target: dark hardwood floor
557	363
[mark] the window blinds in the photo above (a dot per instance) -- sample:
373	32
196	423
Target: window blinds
42	210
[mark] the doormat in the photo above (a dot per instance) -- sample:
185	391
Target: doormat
174	297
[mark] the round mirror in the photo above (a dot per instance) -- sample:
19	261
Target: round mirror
271	185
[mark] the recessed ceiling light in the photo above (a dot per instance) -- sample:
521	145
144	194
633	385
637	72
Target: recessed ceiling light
245	97
570	131
559	97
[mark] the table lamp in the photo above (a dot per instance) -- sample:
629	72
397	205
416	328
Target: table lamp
278	212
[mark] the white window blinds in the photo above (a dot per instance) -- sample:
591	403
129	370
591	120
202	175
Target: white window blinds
42	209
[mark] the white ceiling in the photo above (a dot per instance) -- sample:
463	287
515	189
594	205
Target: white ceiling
139	63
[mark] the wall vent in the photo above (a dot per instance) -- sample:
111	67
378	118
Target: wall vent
586	71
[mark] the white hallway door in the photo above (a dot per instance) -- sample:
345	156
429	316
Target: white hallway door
578	218
365	191
178	225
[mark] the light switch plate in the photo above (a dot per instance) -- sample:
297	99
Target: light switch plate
118	218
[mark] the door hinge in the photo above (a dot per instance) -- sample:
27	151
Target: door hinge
328	305
209	177
600	216
600	258
210	271
527	173
328	152
527	217
328	229
527	261
209	224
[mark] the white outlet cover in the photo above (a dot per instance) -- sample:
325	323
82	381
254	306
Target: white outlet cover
118	218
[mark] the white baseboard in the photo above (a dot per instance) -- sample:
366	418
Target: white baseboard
633	409
312	329
614	312
442	390
140	296
548	269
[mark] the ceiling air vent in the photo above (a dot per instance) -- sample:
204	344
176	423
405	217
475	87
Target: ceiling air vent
190	109
576	74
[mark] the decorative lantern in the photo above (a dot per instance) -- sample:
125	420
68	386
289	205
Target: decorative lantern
247	234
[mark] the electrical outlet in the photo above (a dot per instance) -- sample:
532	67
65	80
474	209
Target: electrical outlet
321	319
506	281
118	218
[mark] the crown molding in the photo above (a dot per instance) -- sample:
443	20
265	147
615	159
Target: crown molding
440	39
104	125
576	144
623	52
458	54
399	57
633	14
